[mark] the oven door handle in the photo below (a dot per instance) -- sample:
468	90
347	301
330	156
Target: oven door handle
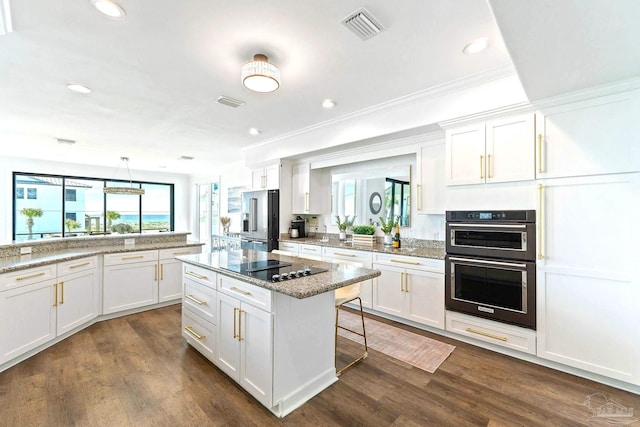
481	261
517	226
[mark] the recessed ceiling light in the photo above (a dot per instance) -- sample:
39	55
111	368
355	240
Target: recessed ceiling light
328	103
109	8
476	46
78	88
254	131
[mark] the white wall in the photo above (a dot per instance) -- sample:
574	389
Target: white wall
8	165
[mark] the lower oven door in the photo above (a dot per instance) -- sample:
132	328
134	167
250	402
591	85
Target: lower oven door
495	289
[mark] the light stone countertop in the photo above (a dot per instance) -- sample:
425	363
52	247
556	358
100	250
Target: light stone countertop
433	249
22	262
337	276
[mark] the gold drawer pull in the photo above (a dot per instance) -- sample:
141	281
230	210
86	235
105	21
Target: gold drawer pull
29	276
133	257
487	334
343	254
190	331
401	261
182	253
197	276
79	265
55	292
243	292
194	299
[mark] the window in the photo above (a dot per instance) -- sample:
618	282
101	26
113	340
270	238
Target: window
83	208
69	194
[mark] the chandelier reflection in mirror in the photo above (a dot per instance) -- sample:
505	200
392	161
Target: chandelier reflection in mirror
131	190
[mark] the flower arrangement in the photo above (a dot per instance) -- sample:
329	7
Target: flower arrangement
343	225
225	221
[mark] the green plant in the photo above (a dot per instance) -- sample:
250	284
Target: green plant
364	229
343	225
111	216
71	224
387	226
122	227
31	213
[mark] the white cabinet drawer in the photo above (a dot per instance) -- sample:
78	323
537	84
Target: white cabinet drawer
312	250
27	277
436	265
199	274
348	255
254	295
130	257
200	299
199	333
289	247
77	265
174	252
492	332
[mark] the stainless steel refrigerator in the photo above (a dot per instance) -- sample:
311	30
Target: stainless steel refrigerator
260	220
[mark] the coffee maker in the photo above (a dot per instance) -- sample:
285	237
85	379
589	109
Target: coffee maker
300	226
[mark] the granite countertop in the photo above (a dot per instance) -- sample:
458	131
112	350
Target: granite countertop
337	276
22	262
433	249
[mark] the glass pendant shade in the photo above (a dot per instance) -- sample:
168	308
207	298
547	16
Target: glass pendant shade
259	75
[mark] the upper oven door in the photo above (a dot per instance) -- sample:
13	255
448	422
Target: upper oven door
512	241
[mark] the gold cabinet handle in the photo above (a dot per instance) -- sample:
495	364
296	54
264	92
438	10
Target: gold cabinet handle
79	265
55	291
343	254
406	282
197	276
488	165
263	181
240	325
306	202
481	167
401	282
132	257
61	293
155	272
539	153
240	291
487	334
540	224
235	325
29	276
401	261
419	194
190	331
194	299
161	271
182	253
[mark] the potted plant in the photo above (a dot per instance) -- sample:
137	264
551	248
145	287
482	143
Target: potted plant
364	234
31	213
387	227
343	225
71	225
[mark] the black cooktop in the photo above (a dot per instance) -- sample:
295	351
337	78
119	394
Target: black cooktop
272	270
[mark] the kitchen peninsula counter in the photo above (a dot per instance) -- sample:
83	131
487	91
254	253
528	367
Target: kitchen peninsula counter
337	276
433	249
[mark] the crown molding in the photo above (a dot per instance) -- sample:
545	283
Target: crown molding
423	95
592	92
519	108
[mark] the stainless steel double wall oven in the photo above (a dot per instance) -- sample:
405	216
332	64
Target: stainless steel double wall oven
490	265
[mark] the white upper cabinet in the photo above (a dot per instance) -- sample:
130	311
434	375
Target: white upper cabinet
500	150
266	178
430	187
592	137
307	194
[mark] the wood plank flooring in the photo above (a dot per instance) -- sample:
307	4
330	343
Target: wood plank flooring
138	371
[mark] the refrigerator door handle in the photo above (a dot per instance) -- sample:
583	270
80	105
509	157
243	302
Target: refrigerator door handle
253	214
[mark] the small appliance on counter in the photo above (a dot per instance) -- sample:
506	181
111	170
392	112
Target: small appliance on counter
298	228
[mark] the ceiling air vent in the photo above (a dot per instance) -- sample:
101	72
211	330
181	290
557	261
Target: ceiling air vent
230	102
363	24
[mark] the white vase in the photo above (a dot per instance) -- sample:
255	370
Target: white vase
388	239
343	236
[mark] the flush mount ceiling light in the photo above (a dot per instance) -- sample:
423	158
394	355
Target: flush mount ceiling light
259	75
254	131
131	190
109	8
476	46
78	88
328	103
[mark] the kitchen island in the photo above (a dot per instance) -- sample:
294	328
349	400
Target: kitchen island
275	338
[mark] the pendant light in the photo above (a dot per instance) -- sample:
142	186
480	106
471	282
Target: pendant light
260	75
131	190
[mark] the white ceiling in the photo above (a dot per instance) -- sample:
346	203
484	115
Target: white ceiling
156	76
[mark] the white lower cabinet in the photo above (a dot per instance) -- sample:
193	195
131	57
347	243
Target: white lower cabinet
170	274
130	281
411	288
244	342
78	299
199	333
356	258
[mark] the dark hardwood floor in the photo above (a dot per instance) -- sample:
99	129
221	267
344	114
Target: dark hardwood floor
138	371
